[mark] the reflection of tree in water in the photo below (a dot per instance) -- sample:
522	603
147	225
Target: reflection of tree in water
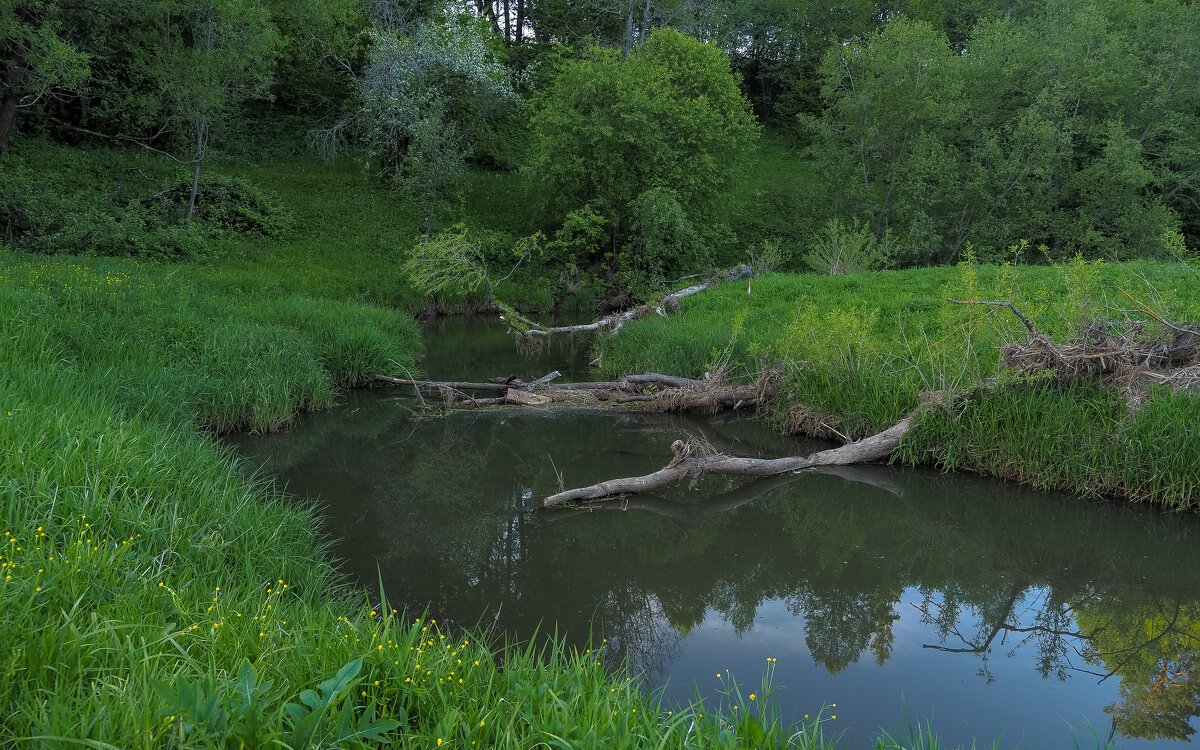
449	512
639	631
997	622
842	624
1152	649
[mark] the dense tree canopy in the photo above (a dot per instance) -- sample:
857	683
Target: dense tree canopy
927	126
1065	128
649	141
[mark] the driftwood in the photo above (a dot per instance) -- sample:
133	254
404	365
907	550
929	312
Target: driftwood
693	467
1123	351
613	323
664	392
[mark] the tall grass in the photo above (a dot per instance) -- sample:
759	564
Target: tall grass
858	350
154	596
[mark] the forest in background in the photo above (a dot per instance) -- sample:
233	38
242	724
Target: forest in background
624	134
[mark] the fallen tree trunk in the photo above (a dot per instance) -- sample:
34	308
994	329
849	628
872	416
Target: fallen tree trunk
441	384
686	466
613	323
693	514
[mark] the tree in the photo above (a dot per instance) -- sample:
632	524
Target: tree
428	99
215	54
38	60
649	141
1063	125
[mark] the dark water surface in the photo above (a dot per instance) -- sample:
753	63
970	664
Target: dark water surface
994	611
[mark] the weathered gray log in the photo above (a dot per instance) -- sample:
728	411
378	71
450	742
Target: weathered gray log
668	381
483	401
613	323
499	384
543	381
737	272
630	383
440	384
872	448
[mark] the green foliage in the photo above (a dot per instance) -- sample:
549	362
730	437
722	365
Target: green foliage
431	98
1060	123
663	243
616	133
238	205
846	249
459	261
80	202
39	57
325	716
232	711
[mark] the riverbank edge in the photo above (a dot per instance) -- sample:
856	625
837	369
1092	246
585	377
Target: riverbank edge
848	373
149	605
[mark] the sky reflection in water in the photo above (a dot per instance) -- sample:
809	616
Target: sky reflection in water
997	612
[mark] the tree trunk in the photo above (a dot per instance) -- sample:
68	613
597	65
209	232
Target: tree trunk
520	22
12	96
201	138
507	25
686	466
629	27
616	321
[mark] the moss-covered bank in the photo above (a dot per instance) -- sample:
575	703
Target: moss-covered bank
859	350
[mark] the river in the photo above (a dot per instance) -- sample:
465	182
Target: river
900	595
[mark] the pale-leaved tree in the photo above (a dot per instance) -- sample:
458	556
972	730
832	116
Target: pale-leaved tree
432	90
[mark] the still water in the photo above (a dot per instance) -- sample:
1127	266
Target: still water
899	595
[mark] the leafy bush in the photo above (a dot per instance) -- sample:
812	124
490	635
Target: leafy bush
846	249
65	204
612	131
663	243
238	205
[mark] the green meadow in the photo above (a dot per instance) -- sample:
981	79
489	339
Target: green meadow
155	595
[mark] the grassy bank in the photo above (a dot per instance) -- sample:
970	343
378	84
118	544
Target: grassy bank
152	595
860	349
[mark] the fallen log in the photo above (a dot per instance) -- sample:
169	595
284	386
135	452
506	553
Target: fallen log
498	384
693	514
440	384
665	392
613	323
693	468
